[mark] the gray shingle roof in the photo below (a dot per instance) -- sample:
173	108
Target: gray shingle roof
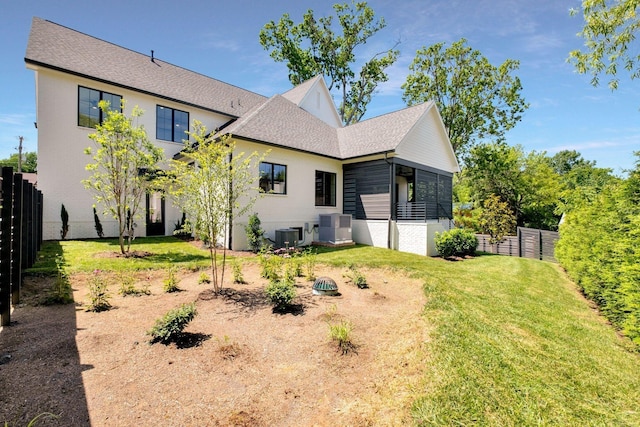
279	121
58	47
379	134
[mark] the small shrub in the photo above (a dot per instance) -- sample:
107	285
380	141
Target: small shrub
280	293
98	224
236	270
181	228
98	293
127	286
290	271
254	233
356	277
270	265
61	292
171	282
309	262
168	327
64	216
204	278
456	242
340	333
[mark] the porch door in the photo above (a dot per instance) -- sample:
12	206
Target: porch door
155	214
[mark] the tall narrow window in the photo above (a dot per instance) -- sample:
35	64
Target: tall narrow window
325	188
273	178
171	124
89	113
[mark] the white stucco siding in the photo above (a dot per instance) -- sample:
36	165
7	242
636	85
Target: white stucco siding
61	158
297	207
428	144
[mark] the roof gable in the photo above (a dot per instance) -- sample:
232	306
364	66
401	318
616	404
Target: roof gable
57	47
313	96
427	142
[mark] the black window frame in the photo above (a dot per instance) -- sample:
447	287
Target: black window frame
268	178
326	188
101	96
176	135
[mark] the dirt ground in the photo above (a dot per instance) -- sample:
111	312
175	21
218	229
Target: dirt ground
239	364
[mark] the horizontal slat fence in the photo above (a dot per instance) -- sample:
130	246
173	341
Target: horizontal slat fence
20	236
529	243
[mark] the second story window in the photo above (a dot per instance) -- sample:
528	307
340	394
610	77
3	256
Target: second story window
171	124
273	178
89	113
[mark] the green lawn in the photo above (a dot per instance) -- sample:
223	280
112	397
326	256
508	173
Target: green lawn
513	343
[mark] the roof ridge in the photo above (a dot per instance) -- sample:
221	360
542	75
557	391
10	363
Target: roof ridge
154	58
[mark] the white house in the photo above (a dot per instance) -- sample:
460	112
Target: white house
392	174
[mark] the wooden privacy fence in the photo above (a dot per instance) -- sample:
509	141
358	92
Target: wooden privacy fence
20	236
529	243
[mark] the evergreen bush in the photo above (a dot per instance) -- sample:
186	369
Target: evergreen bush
456	242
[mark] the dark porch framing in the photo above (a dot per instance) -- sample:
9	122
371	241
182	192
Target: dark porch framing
371	191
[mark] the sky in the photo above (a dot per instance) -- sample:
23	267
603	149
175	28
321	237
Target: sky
220	39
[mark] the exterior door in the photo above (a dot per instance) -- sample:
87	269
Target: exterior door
155	214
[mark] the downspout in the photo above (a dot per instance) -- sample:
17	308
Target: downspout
391	199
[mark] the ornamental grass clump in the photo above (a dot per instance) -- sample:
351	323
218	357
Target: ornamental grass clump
340	333
169	327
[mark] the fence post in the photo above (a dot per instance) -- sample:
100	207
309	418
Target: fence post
16	249
5	246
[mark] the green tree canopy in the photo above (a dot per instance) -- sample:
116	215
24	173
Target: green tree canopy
525	182
29	162
476	99
312	47
123	151
609	33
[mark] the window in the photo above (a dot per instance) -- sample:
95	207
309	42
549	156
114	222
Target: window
171	124
325	188
89	113
273	178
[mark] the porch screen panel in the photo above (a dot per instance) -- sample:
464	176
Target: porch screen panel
426	191
445	192
366	191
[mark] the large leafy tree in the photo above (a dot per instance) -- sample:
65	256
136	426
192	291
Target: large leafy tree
29	162
211	182
609	33
525	182
122	154
312	47
476	99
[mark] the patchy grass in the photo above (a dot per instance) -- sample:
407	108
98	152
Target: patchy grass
507	341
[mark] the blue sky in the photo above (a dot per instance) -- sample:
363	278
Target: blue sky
220	39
